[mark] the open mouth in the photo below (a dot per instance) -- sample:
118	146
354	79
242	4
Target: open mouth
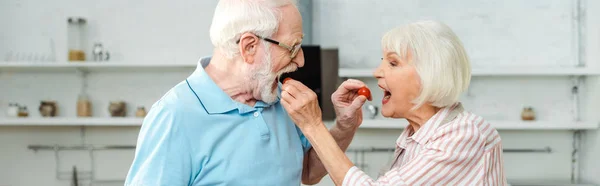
386	95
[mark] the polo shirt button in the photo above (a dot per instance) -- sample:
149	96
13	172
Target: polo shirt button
256	114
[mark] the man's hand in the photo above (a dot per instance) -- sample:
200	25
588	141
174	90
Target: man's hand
348	104
301	104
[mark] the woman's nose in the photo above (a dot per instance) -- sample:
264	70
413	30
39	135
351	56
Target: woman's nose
378	73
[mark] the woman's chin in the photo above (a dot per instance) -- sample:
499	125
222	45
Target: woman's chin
386	113
390	114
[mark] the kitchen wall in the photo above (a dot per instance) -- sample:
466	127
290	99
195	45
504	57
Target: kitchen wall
591	139
154	31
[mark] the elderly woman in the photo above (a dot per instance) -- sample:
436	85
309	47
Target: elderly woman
423	71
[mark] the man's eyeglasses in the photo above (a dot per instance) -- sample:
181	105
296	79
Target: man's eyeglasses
292	49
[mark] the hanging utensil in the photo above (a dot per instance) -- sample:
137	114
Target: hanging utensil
75	180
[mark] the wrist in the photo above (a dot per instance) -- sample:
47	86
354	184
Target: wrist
309	130
345	126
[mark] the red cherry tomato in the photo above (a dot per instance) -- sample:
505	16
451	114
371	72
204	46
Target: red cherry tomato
365	92
286	79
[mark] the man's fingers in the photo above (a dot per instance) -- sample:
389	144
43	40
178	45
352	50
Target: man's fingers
287	96
299	91
286	100
296	84
292	90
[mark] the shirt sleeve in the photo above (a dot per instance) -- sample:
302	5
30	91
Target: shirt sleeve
452	158
305	143
162	155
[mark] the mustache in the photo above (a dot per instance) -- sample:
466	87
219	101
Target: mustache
289	68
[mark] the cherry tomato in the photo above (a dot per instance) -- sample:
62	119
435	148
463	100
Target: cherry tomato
286	79
365	92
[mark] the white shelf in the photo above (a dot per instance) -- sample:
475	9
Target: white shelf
499	125
91	66
58	121
367	123
500	71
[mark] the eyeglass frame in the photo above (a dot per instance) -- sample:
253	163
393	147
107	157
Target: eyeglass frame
292	49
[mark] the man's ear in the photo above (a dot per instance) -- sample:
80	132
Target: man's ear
248	45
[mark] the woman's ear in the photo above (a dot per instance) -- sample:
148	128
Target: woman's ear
248	45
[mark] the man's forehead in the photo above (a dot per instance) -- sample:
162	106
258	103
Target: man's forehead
291	19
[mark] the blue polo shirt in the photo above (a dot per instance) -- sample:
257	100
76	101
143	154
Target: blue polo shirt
197	135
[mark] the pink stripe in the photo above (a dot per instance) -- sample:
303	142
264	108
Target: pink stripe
351	178
453	156
418	159
474	174
419	164
468	149
481	166
470	166
498	173
434	122
492	166
463	156
486	130
422	163
501	162
435	162
435	118
497	181
415	150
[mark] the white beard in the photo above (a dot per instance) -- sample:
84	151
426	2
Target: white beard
265	77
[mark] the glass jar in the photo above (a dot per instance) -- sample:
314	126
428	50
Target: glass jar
76	38
12	110
141	112
23	112
528	114
84	106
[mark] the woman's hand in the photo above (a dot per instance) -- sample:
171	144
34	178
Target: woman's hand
348	104
301	104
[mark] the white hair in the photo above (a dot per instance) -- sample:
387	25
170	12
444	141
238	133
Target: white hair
232	18
439	58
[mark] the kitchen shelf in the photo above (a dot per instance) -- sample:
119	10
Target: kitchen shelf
90	66
367	123
499	125
499	71
59	121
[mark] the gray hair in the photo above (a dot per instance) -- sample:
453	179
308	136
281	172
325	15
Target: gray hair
439	58
232	18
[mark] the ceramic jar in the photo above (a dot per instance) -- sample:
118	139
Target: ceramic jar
117	109
48	108
141	112
528	114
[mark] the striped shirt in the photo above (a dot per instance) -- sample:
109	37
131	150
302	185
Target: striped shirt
454	147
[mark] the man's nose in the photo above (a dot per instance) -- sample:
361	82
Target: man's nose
299	59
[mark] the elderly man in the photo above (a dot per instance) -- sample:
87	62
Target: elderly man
224	125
